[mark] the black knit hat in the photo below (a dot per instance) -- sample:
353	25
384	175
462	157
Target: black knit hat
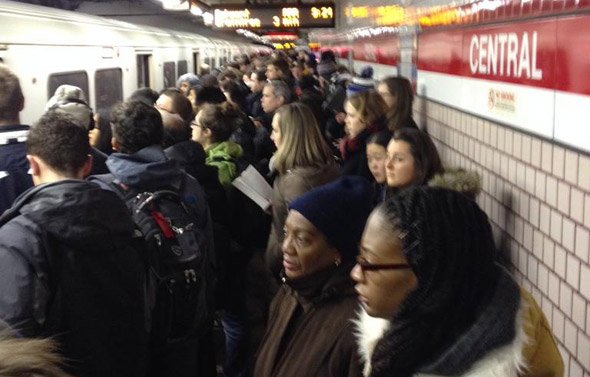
339	210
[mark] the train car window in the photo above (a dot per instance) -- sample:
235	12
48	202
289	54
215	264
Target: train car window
108	84
182	67
169	74
207	61
76	78
143	70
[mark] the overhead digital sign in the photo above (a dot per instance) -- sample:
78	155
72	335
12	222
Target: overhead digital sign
273	17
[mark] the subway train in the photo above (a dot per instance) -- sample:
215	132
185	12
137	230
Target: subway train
107	58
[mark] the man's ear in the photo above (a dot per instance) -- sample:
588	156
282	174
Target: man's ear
21	104
206	132
35	168
87	168
115	144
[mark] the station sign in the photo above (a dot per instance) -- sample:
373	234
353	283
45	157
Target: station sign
531	74
319	15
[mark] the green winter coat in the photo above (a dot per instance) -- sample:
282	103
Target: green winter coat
223	156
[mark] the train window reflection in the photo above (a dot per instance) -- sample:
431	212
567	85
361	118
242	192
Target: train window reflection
169	74
182	67
76	78
143	70
108	84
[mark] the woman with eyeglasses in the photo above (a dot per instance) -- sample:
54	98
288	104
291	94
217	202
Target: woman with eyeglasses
212	128
310	329
435	303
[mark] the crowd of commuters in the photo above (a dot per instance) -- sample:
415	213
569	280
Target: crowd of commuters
373	259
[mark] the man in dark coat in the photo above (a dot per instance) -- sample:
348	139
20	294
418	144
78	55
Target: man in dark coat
141	164
68	268
13	164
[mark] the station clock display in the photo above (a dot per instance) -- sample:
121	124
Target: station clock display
274	17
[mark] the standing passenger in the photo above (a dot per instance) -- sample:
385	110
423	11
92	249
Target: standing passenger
187	81
212	128
13	162
364	117
303	161
434	303
67	266
412	159
71	100
398	95
140	165
377	159
256	84
309	331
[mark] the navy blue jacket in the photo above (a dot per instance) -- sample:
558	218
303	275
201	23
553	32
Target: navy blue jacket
150	169
14	166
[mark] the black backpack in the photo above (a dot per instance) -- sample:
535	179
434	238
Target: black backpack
177	293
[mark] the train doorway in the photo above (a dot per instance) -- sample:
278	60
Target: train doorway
196	63
144	77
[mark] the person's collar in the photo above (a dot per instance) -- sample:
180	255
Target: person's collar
321	285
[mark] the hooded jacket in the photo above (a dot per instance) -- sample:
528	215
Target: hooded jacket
309	329
68	269
150	169
286	188
530	352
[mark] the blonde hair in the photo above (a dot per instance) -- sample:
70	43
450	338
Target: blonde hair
29	358
302	143
369	105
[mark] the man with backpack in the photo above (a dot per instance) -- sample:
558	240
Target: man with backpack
68	265
170	210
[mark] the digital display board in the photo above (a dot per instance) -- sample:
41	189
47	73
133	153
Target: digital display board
273	17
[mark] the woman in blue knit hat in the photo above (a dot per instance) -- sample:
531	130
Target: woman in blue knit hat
309	331
435	303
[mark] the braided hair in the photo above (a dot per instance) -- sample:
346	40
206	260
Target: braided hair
448	242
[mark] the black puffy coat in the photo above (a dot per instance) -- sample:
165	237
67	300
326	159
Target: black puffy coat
68	269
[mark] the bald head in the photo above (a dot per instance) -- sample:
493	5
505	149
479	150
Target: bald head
175	128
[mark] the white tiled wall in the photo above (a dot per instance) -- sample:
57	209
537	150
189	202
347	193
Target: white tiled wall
537	195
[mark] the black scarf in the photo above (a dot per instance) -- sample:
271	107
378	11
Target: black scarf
449	244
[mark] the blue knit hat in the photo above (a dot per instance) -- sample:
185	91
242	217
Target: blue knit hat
362	82
339	210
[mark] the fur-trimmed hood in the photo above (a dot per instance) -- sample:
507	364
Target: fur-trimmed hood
461	180
505	361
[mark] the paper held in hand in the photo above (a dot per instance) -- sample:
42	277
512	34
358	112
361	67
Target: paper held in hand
254	186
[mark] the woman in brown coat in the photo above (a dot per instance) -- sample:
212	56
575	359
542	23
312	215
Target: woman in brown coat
303	161
310	329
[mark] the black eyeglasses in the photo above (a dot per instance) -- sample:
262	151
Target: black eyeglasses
195	124
366	266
